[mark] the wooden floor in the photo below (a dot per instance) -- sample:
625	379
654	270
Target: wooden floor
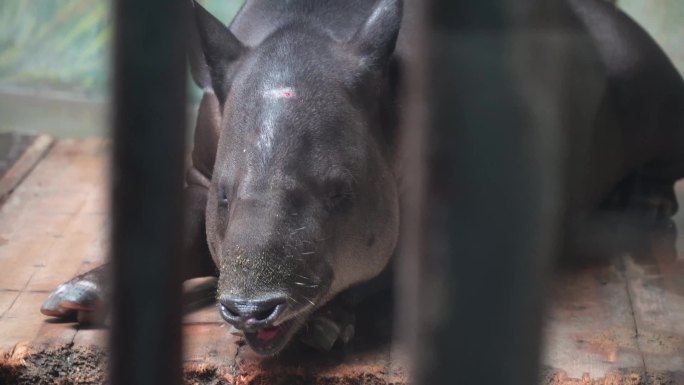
622	323
54	226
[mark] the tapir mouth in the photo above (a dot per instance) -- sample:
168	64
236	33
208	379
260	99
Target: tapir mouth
270	340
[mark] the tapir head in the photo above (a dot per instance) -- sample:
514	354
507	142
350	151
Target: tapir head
303	198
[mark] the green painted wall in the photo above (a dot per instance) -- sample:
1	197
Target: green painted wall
59	45
54	58
63	45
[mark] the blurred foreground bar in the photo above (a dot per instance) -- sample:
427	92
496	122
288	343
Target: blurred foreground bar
148	114
489	208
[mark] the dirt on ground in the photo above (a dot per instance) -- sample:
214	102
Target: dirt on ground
65	365
69	365
560	377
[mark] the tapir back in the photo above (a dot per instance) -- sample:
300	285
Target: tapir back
638	122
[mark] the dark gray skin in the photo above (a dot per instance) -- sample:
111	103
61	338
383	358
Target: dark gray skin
626	137
293	193
302	202
299	196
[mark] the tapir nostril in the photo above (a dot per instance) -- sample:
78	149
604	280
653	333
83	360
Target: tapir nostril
230	311
262	312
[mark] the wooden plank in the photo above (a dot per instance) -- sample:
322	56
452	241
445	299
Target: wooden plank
590	329
47	223
54	225
601	327
22	321
209	344
22	258
47	234
12	146
656	286
59	267
7	297
91	337
51	334
658	318
22	164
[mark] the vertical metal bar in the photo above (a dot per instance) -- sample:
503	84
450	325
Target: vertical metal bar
149	119
489	212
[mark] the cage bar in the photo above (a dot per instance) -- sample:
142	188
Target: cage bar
149	120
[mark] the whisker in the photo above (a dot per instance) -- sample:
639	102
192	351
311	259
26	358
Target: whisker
351	175
305	285
310	301
308	252
297	230
303	277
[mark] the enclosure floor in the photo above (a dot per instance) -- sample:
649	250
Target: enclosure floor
54	226
621	323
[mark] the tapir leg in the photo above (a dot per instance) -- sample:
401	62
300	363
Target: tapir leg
197	261
635	218
645	204
336	321
87	293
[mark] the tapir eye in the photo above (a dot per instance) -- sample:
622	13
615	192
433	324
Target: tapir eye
223	197
339	196
337	199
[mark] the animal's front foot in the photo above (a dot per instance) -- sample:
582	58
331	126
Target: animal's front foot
649	201
334	322
83	297
640	208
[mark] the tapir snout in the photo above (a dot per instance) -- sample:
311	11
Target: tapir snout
252	314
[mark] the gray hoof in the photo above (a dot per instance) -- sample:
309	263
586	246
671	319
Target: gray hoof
51	307
321	334
332	323
82	298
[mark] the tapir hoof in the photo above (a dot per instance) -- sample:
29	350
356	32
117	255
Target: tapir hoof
83	298
639	211
648	200
334	322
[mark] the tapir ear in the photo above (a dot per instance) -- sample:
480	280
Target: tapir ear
213	50
377	37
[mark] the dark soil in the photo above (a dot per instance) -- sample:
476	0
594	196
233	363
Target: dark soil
60	366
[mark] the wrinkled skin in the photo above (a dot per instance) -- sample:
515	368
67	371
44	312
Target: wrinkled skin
292	195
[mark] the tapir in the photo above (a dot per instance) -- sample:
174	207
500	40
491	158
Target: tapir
293	193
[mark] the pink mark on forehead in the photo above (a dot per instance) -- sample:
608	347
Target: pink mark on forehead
280	93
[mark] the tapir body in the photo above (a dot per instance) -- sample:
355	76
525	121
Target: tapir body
293	195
